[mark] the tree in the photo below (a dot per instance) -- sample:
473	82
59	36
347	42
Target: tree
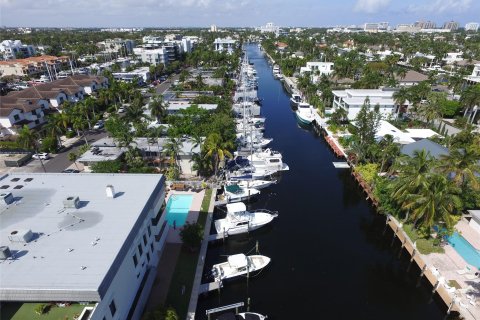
192	235
431	109
462	165
29	139
390	150
157	108
216	149
367	122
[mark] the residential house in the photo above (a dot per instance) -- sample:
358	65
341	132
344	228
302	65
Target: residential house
411	78
436	150
33	66
353	99
474	78
317	69
11	49
225	44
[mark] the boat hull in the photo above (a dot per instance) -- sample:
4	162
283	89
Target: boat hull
303	119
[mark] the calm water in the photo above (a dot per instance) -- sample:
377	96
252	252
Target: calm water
330	259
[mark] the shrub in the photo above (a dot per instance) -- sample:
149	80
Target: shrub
49	144
368	171
111	166
192	235
70	134
42	308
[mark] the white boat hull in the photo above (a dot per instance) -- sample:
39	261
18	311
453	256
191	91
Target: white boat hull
230	225
224	271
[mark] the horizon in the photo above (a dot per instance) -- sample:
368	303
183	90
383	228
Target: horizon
232	14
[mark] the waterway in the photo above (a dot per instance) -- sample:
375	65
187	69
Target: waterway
330	259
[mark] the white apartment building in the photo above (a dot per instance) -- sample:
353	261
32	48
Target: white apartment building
142	74
472	26
13	49
452	57
269	27
213	28
225	44
353	99
124	46
317	69
86	238
474	78
152	56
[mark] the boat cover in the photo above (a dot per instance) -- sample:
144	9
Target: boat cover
233	188
238	260
236	207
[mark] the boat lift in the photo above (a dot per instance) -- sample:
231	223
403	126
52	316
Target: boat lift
225	308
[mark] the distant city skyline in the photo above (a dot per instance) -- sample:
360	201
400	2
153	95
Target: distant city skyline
232	13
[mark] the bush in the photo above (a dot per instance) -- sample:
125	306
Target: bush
192	235
70	134
111	166
450	108
368	172
9	145
42	308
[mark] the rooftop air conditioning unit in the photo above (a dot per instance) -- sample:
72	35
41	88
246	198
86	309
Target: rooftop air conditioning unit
71	202
21	236
6	198
5	253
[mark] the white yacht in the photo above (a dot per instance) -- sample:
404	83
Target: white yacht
295	99
235	193
249	183
305	113
254	142
238	220
239	265
276	71
268	159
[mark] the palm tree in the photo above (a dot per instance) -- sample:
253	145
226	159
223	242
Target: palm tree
157	108
172	147
390	150
216	148
435	202
54	126
470	99
29	139
401	97
462	165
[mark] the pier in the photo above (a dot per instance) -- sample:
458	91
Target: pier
211	286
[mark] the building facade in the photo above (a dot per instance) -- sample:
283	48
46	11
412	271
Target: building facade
472	26
13	49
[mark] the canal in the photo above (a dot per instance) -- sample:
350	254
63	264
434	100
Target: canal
330	259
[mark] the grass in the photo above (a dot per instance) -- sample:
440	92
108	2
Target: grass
20	311
424	246
181	284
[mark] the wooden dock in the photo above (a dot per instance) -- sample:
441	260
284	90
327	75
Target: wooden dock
211	286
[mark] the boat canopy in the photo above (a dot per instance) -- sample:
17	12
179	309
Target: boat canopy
238	260
236	207
233	188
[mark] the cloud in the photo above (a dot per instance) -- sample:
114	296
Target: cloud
370	6
441	6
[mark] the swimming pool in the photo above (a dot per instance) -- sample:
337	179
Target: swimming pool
177	209
465	249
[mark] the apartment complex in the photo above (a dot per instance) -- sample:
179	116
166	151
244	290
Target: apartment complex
33	66
472	26
225	44
89	238
29	106
13	49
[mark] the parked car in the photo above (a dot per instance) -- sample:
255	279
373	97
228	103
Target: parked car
99	125
71	171
42	155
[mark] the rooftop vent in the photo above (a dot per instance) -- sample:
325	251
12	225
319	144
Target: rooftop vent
110	191
15	179
5	253
21	236
6	198
5	186
28	179
18	187
71	202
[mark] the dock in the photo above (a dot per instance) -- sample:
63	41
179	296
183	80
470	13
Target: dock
216	236
211	286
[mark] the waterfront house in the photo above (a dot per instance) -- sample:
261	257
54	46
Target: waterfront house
436	150
411	78
317	69
352	100
474	78
225	44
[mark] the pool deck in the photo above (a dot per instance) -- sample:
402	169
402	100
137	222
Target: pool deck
173	235
470	234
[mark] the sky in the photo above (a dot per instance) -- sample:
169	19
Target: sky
231	13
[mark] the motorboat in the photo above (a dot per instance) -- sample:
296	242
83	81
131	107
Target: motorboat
239	265
235	193
238	220
305	113
241	316
254	142
267	159
276	71
256	184
295	99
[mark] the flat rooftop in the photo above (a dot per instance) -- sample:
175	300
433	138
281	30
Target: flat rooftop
74	253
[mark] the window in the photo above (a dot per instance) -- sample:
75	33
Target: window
145	240
140	250
135	260
16	117
149	231
113	308
151	247
148	257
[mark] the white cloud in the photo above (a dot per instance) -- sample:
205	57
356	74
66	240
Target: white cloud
370	6
441	6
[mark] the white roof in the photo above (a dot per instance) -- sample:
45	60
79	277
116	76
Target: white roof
238	260
236	207
398	135
97	235
421	133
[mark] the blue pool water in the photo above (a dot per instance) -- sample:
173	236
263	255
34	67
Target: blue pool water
177	209
465	249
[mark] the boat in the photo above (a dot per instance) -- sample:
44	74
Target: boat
305	113
268	159
241	316
256	184
239	265
276	71
254	142
295	99
238	220
235	193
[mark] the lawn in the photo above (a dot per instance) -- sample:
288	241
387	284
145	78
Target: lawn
424	246
181	284
21	311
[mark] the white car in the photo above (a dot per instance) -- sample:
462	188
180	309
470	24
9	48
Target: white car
98	125
42	155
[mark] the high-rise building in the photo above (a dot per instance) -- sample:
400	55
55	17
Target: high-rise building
213	28
472	26
425	24
450	25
